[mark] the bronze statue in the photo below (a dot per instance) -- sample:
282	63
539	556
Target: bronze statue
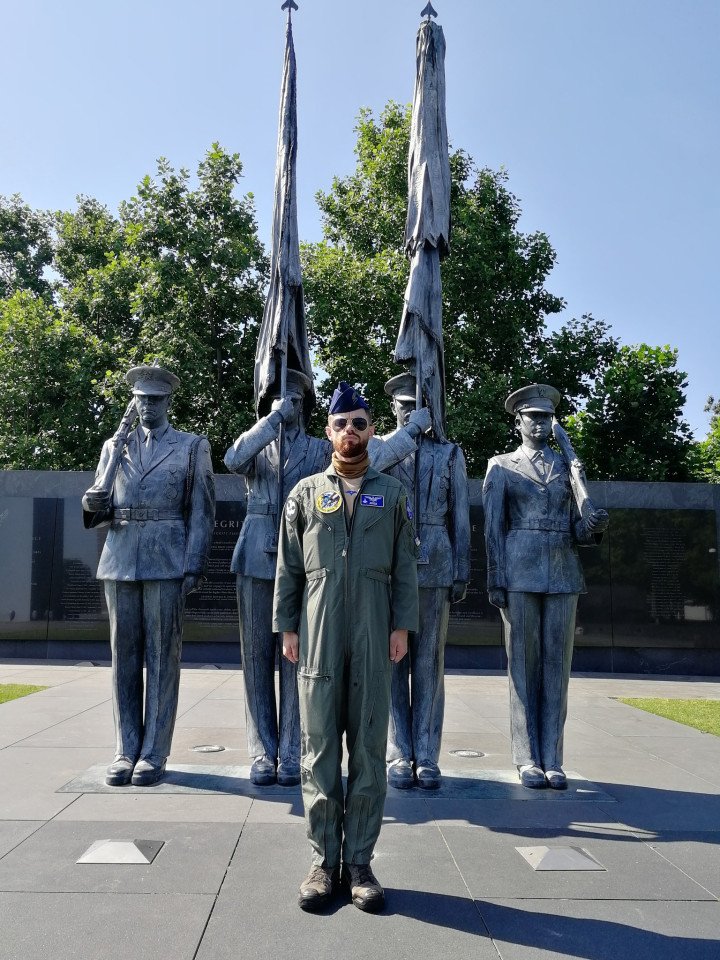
443	529
155	489
535	516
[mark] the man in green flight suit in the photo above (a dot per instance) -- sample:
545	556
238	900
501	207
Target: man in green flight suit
345	598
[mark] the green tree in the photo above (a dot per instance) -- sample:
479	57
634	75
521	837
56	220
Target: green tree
25	248
632	427
178	274
48	389
495	303
705	455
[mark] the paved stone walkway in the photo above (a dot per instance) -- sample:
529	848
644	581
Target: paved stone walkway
644	803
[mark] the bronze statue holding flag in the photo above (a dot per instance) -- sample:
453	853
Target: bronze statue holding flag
435	476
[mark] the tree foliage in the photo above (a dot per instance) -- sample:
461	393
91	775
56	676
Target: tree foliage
178	274
495	301
705	455
632	426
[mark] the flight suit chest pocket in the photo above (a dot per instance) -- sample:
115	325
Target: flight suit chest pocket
319	541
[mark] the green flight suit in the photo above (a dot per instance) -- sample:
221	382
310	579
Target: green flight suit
343	587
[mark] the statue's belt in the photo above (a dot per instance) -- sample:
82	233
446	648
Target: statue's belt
262	509
433	519
551	526
142	513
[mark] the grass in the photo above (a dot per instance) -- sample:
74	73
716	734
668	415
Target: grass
702	714
11	691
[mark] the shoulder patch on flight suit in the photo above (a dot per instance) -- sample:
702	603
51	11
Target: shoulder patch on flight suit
409	510
328	502
291	509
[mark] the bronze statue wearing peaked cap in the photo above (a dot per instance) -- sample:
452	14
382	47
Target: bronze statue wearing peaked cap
532	529
154	487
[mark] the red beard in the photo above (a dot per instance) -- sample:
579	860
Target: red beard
349	446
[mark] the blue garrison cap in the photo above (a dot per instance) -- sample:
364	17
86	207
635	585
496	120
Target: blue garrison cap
347	398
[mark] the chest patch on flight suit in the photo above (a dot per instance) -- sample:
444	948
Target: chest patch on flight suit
328	502
291	510
368	500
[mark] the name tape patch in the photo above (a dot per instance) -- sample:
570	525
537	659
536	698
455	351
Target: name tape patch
368	500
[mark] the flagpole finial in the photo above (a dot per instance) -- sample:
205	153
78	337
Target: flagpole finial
429	11
289	5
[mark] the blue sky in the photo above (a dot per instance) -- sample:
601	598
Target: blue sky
604	112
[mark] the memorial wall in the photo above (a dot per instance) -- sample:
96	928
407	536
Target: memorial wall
653	601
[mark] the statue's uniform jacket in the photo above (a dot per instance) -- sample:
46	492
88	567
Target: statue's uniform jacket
161	523
443	526
344	590
175	543
255	455
532	529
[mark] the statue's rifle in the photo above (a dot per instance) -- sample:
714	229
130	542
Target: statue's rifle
104	484
576	469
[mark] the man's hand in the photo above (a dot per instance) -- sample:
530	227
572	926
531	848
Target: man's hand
97	501
498	597
291	647
458	591
598	521
398	645
421	420
191	583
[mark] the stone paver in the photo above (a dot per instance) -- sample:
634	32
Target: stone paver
644	801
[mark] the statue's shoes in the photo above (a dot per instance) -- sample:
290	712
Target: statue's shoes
532	776
119	772
262	772
428	775
146	773
556	779
288	773
400	774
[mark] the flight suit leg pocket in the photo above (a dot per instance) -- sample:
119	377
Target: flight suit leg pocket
316	695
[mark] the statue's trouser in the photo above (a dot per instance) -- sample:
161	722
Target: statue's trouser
259	650
350	696
418	684
539	633
145	628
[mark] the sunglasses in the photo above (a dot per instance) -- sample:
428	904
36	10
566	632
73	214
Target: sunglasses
360	423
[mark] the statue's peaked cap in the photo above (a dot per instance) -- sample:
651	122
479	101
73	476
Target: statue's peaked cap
152	380
402	387
536	397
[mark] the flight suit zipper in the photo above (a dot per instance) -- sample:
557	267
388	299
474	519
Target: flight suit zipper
346	550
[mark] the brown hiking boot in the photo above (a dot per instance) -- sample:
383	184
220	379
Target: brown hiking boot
366	892
317	888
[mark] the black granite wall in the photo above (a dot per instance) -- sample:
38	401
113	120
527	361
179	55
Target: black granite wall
653	601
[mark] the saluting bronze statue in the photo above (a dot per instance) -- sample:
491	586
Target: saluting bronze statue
536	513
155	489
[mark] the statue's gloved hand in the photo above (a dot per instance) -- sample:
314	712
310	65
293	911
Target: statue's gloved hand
191	583
97	501
498	597
421	420
458	591
598	521
285	408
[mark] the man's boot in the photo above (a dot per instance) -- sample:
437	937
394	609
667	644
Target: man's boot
366	892
317	888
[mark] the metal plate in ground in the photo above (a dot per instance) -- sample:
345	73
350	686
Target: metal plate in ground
122	851
559	858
